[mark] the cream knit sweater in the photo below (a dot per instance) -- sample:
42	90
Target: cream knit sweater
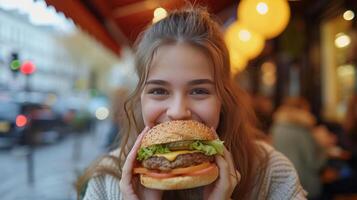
280	182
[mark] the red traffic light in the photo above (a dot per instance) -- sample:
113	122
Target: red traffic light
21	121
27	68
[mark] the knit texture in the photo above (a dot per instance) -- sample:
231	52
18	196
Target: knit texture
279	183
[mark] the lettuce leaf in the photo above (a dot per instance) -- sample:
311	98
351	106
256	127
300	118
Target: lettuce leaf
217	144
209	148
147	152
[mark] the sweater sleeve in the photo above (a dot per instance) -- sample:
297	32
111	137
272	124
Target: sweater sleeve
284	181
103	188
280	181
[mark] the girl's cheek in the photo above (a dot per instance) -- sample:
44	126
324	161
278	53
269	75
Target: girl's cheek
151	113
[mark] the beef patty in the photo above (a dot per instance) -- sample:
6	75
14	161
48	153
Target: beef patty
184	160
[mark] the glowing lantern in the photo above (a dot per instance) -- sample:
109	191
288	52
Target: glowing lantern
27	68
159	14
243	40
267	17
237	60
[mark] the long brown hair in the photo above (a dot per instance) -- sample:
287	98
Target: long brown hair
194	26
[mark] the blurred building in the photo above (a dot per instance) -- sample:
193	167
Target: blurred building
70	64
57	71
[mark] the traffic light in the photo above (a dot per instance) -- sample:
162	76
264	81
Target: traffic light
15	63
27	68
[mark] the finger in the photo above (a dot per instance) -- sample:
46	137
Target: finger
223	168
214	131
233	172
130	160
133	152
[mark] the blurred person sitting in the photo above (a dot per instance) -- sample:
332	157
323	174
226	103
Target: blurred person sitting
295	134
350	129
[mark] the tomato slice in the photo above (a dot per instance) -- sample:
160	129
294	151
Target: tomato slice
140	170
159	175
152	173
211	168
190	169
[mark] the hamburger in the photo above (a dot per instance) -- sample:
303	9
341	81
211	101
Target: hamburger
178	155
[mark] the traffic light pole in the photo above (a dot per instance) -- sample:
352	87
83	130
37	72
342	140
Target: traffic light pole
30	153
30	166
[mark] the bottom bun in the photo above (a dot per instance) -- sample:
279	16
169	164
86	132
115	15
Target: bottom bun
180	182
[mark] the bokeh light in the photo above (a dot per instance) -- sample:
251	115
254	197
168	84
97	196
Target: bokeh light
102	113
266	17
243	40
348	15
15	65
159	14
342	40
21	120
28	68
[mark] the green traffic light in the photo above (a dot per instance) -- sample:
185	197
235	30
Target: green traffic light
15	65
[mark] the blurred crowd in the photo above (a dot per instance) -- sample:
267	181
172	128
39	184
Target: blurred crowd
323	153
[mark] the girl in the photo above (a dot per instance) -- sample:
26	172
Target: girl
184	73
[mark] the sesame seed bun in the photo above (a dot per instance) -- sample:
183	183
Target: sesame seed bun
177	130
180	182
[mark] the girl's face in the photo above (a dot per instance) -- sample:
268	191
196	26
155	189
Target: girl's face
180	86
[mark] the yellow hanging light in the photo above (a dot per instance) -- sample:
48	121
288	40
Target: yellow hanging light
267	17
159	14
248	43
238	62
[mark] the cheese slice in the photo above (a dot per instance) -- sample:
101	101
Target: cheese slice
171	156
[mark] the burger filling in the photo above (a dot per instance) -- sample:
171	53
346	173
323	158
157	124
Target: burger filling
182	154
183	160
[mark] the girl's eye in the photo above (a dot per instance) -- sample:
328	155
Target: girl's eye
158	91
200	91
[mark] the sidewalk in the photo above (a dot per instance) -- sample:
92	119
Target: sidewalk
55	169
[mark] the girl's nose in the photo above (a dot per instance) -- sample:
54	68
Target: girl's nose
179	110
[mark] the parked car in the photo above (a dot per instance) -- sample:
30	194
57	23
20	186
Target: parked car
25	123
12	123
45	126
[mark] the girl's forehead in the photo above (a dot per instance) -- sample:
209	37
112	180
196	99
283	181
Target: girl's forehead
180	57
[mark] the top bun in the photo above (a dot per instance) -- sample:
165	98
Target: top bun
177	130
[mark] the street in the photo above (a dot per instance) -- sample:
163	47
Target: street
56	167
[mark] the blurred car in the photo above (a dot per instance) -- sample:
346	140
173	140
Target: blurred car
45	126
25	123
12	123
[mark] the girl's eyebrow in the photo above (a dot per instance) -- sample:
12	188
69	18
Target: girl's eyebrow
192	82
156	82
201	81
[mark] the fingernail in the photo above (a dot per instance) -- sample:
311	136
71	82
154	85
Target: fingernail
145	130
214	131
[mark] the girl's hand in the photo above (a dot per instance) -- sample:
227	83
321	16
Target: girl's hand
228	179
130	186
